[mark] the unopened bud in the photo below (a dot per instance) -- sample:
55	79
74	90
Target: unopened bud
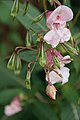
15	8
27	80
56	1
42	56
18	65
38	18
70	49
51	91
11	62
25	8
56	61
28	39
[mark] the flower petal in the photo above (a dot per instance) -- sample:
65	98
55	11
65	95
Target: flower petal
11	110
52	38
60	15
54	77
66	59
64	35
65	74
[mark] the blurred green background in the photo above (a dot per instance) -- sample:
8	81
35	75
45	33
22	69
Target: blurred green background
39	106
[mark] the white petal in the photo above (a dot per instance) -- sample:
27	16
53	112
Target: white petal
64	12
54	77
64	35
66	59
52	38
65	74
11	110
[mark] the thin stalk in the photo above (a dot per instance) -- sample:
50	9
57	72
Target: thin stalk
20	48
76	18
44	5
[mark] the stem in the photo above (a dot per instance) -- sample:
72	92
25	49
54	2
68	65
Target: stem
49	79
44	5
35	61
20	48
74	109
4	118
75	20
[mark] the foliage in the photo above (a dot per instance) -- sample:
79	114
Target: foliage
37	106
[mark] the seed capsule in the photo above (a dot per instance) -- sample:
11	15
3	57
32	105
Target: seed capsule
15	8
56	61
25	8
70	48
11	62
27	80
42	57
18	65
28	39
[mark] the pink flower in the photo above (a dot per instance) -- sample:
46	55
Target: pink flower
59	75
63	60
56	22
13	108
51	91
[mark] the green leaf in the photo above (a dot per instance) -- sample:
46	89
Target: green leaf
70	93
8	94
69	110
27	19
44	111
28	56
9	79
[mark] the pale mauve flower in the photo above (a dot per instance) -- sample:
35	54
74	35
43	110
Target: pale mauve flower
51	91
56	22
63	60
59	75
13	108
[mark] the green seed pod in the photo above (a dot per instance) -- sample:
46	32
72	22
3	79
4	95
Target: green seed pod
15	8
42	57
25	8
11	62
28	39
70	49
56	61
38	18
27	80
18	65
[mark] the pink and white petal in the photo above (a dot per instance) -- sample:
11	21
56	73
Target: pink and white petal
64	34
65	74
66	59
52	38
47	15
11	110
60	15
49	60
54	77
8	111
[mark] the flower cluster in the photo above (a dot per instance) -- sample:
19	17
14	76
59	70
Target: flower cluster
59	33
56	22
14	107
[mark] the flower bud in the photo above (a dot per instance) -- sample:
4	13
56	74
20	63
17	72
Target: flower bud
56	61
70	48
42	57
51	91
15	8
27	80
11	62
38	18
18	65
28	39
56	1
25	8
